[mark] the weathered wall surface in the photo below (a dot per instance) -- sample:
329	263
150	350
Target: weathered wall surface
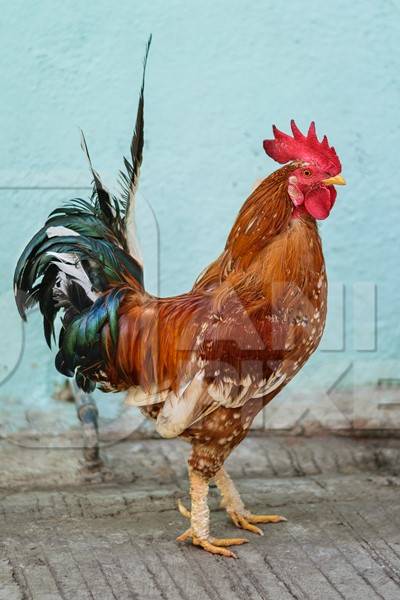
219	75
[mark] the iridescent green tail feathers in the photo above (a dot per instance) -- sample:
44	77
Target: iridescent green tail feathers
81	262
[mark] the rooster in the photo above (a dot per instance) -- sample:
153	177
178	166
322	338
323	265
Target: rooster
204	363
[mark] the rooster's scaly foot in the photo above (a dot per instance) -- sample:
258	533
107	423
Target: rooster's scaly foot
212	544
235	508
247	521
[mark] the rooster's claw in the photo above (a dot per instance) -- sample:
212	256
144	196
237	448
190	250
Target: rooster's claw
213	545
247	520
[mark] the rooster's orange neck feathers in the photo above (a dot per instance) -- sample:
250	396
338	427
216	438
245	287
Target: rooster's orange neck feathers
265	241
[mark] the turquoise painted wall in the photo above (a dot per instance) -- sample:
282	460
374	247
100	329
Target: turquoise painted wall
220	73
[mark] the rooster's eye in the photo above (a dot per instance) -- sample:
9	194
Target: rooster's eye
307	172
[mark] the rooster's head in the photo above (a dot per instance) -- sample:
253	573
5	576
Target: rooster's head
316	169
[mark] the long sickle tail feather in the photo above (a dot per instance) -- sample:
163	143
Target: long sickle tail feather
129	178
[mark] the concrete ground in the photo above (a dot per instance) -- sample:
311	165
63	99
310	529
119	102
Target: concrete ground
64	537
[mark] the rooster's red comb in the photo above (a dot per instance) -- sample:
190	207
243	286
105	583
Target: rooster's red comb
285	148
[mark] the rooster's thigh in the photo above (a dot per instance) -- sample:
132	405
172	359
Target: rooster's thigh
207	459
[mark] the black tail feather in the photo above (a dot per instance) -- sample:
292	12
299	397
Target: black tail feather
129	178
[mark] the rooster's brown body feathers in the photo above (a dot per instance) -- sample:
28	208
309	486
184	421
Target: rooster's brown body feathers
204	363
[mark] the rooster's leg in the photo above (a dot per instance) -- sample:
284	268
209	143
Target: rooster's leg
235	508
200	520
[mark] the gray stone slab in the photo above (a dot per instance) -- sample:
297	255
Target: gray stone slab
62	538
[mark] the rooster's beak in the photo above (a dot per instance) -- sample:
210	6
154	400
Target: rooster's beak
338	180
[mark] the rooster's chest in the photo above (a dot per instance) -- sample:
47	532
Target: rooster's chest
306	323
